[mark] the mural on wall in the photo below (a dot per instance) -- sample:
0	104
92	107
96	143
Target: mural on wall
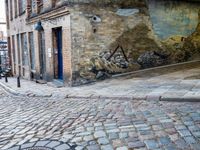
175	23
172	18
119	40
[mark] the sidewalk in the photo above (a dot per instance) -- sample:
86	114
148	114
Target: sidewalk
175	86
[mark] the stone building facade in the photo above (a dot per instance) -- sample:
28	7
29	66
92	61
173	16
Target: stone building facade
77	41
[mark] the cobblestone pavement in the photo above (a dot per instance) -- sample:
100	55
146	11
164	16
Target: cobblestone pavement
94	124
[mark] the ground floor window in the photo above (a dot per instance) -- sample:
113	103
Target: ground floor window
32	50
24	49
42	55
18	54
13	51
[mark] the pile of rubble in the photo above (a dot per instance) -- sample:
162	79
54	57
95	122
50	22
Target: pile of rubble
152	59
104	65
118	59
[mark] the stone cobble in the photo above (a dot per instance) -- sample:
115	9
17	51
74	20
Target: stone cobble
95	124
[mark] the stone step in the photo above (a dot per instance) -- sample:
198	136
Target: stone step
41	81
56	83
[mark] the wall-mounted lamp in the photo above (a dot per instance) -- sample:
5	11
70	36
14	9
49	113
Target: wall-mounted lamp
38	26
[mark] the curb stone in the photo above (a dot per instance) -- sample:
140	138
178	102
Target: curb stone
10	90
15	93
183	99
92	96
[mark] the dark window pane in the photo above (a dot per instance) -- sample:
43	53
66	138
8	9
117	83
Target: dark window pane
32	50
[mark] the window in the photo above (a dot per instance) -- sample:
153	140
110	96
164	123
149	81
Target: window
40	5
42	55
9	52
18	49
13	52
13	48
24	49
32	50
18	54
7	14
33	6
54	3
11	10
28	7
22	6
15	7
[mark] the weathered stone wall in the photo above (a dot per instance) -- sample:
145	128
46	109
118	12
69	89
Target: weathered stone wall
97	32
176	25
172	17
192	42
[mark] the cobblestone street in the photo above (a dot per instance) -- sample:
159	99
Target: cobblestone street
98	124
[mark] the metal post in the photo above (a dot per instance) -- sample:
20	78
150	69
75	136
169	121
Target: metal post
6	78
18	82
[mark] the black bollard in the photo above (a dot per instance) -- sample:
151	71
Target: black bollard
0	75
6	78
18	82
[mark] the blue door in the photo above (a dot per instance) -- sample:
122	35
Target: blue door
60	57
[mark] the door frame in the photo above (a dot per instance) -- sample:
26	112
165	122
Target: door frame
57	53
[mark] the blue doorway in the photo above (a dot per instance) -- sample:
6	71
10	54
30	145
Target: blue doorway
58	57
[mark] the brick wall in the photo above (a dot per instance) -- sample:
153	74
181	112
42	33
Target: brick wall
20	25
